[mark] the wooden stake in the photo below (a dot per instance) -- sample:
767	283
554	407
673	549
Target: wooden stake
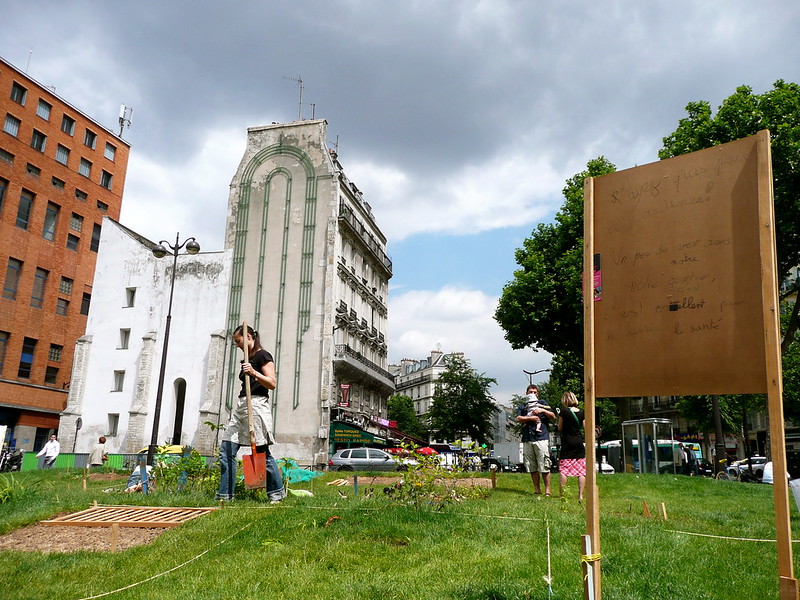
494	479
114	536
646	510
664	511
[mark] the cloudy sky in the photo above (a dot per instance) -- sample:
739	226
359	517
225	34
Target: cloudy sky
426	101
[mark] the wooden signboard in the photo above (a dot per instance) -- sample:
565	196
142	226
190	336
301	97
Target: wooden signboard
678	292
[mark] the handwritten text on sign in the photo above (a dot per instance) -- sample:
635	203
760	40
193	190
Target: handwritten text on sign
681	305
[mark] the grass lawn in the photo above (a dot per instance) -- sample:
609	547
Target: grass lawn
330	547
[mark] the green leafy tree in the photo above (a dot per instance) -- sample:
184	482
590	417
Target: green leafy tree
462	404
400	408
541	308
743	114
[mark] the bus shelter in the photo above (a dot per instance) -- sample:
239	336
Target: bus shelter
648	446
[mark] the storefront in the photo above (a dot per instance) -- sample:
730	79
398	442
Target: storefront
350	436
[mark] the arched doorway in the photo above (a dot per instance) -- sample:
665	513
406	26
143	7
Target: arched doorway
180	400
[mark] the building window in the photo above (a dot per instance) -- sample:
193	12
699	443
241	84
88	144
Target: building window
38	140
39	287
24	209
43	110
11	125
119	381
76	222
94	245
6	156
90	138
113	424
85	168
13	272
124	339
57	183
111	152
26	358
33	170
50	220
72	241
106	179
65	287
62	307
68	125
85	302
51	375
102	207
18	93
130	297
3	347
81	195
3	188
62	154
55	353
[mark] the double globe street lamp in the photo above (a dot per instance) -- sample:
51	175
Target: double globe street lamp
160	251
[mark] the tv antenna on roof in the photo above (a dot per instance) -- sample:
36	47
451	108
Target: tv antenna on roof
125	116
299	81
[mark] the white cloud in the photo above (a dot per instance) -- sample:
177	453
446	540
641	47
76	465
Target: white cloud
511	189
190	197
460	320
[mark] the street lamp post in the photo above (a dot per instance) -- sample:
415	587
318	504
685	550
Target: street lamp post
160	251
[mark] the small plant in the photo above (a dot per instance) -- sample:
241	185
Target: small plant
181	473
10	488
427	481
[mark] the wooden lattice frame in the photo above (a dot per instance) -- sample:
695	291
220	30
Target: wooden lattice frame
130	516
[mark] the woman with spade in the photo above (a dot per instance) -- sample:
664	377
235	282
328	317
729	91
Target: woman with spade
259	366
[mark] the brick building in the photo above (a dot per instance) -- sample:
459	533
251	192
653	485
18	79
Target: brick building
61	172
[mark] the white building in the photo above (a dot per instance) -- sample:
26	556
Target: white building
416	378
310	273
116	368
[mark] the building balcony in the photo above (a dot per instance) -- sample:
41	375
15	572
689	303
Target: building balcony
354	367
350	223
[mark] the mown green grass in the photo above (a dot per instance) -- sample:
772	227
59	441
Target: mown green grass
330	547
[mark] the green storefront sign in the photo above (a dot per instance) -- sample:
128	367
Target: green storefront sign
347	434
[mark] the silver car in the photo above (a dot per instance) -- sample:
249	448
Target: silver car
367	459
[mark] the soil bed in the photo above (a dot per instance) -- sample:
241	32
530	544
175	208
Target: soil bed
57	538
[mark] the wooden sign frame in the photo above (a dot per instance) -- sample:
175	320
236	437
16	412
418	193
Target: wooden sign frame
681	256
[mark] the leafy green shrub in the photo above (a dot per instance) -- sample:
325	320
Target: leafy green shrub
187	472
431	483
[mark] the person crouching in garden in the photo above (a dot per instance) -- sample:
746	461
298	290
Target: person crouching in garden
259	366
572	458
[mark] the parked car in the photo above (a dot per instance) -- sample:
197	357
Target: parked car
492	463
368	459
738	466
705	468
603	467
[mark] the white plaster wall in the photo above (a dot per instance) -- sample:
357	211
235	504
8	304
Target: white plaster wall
199	306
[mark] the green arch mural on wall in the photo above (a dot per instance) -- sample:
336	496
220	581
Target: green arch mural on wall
306	265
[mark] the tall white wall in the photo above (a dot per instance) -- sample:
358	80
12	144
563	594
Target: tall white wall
197	345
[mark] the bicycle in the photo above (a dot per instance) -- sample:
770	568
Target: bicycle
725	475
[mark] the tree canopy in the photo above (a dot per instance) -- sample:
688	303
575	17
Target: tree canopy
462	404
541	307
743	114
400	408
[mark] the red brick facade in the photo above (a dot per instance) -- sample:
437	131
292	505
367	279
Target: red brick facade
60	172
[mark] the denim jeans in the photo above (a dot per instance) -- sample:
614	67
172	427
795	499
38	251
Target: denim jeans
227	469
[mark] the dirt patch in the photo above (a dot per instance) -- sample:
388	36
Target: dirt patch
106	476
57	538
460	481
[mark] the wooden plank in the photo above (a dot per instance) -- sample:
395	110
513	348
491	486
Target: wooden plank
130	516
592	589
772	344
